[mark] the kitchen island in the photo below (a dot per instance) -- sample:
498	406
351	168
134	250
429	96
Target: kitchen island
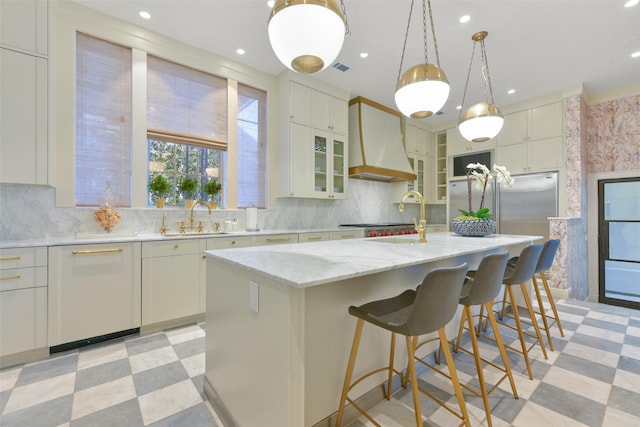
278	330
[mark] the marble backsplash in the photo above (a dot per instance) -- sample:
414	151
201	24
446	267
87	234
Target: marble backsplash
29	212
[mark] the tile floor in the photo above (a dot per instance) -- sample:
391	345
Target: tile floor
591	379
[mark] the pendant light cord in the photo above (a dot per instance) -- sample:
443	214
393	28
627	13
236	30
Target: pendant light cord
464	96
406	36
424	35
347	31
433	33
485	73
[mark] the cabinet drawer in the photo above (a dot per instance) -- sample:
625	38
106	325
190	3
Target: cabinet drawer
229	242
22	257
23	278
347	234
312	237
172	247
276	239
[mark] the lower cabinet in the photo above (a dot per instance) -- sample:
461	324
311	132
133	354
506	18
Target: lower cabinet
275	239
94	290
313	236
23	302
173	280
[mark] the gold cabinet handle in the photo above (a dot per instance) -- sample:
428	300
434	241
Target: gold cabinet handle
204	257
281	239
11	277
11	258
344	236
97	251
314	238
176	246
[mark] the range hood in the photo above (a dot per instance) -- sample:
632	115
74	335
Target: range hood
376	151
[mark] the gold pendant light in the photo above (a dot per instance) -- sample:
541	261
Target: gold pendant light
307	35
423	89
482	121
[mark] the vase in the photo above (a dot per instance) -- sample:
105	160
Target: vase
159	203
213	203
473	227
189	203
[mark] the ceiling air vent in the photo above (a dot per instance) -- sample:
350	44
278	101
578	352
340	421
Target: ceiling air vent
439	113
341	67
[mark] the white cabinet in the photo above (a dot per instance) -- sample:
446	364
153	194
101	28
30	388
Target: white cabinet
23	25
275	239
173	280
229	242
347	234
456	144
23	125
313	236
314	143
532	140
94	290
23	301
416	140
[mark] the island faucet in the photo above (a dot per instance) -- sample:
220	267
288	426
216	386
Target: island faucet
422	227
199	202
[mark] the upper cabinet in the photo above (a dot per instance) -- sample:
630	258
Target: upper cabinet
23	26
456	144
532	140
314	142
23	84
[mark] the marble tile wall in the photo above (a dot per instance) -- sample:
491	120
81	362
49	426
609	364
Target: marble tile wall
29	212
569	270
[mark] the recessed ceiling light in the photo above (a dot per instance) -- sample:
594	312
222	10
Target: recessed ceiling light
464	19
511	91
631	3
144	14
270	3
459	107
240	51
636	54
364	54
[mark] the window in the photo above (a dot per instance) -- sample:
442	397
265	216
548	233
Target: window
103	121
252	115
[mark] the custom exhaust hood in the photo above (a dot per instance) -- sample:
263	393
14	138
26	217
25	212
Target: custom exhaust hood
376	151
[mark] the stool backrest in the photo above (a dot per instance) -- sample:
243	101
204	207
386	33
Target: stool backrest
548	254
487	280
525	267
436	300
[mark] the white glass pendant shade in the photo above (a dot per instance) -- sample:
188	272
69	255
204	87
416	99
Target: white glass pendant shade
480	122
422	91
306	35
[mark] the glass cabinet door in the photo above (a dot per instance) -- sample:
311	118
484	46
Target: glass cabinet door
320	163
338	166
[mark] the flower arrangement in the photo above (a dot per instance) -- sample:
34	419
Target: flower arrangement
482	175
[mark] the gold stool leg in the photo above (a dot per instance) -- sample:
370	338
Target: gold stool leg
454	376
542	311
391	357
527	301
552	302
463	318
411	368
349	373
503	352
516	316
476	357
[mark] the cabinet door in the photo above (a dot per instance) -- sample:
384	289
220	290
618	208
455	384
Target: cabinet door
514	157
456	144
415	140
321	163
545	121
93	290
430	173
299	104
23	25
172	287
302	167
313	237
229	242
321	110
514	129
275	239
23	320
23	126
339	165
545	154
339	110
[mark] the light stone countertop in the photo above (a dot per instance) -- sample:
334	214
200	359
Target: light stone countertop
317	263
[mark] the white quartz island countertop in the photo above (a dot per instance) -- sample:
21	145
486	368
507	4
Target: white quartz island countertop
312	264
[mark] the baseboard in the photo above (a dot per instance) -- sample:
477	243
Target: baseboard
218	405
173	323
558	293
24	357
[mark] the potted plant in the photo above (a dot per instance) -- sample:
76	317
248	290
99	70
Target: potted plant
160	187
480	222
189	186
212	188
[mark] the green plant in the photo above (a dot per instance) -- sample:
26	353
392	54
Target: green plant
159	186
483	175
189	186
212	187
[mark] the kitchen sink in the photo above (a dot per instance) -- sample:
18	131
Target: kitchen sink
204	233
396	240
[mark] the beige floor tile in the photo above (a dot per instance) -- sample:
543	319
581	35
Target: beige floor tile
576	383
168	401
101	355
533	415
152	359
41	391
111	393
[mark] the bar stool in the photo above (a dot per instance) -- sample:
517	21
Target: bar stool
412	313
521	272
544	264
482	290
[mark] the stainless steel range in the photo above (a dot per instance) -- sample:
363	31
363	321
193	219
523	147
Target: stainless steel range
385	229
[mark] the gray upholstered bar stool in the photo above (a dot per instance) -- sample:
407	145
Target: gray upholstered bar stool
517	275
412	313
482	290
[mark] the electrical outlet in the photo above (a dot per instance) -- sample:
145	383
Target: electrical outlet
254	296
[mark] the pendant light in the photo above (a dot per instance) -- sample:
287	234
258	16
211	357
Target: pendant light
307	35
423	89
482	121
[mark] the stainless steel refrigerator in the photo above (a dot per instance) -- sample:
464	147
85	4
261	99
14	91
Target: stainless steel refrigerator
522	209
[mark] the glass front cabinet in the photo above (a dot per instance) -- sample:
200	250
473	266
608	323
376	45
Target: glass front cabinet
330	167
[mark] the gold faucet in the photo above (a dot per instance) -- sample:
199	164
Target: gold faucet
199	227
422	227
163	227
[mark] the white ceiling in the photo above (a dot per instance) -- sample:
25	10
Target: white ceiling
534	46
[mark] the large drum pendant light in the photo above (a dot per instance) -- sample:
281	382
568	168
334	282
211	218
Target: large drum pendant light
306	35
482	121
423	89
